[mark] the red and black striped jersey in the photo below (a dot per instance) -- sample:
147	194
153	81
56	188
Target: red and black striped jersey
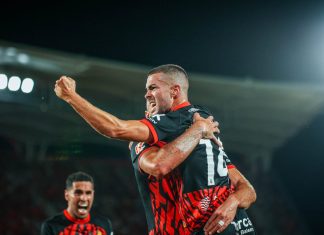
65	224
204	174
159	197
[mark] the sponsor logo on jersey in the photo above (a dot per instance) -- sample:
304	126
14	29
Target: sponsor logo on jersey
243	226
193	110
156	118
139	147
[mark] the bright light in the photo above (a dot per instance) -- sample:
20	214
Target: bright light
3	81
11	51
23	58
14	83
27	85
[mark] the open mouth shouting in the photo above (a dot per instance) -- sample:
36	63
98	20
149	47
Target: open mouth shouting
83	209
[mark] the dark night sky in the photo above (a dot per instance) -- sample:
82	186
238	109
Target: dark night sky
265	40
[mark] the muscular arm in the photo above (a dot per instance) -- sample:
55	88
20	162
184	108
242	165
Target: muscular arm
243	197
244	194
160	161
103	122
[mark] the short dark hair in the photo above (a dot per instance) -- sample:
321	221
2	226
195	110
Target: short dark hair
168	69
77	177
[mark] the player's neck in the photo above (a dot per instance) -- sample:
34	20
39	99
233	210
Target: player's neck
179	104
179	101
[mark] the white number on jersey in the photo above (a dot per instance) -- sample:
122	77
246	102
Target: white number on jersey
221	166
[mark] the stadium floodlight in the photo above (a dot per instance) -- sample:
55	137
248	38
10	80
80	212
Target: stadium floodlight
23	58
14	83
27	85
3	81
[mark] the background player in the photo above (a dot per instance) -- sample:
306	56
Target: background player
76	218
160	192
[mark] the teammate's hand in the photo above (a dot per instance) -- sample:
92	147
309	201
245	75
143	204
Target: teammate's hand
64	88
222	216
209	127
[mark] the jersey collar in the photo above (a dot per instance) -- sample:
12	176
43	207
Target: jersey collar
74	220
179	106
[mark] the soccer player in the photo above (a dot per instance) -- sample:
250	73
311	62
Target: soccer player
160	195
76	219
167	94
205	179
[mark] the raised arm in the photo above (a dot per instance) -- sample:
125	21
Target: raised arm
160	161
103	122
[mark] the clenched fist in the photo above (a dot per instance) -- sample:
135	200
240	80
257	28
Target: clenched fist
65	88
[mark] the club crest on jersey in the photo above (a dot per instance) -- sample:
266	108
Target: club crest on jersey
139	147
204	204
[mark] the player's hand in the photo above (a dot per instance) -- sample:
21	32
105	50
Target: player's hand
209	128
222	216
65	87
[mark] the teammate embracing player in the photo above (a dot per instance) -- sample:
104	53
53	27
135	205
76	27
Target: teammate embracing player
212	192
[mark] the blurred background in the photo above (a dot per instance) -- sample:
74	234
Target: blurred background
258	66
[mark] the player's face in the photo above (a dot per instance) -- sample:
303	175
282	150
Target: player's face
158	93
80	198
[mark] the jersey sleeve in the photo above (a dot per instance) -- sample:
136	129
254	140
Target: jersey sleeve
162	126
228	162
137	150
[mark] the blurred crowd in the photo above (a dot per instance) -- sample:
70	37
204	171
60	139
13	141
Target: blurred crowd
33	190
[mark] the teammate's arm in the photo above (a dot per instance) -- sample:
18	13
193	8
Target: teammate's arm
244	191
103	122
243	197
160	161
